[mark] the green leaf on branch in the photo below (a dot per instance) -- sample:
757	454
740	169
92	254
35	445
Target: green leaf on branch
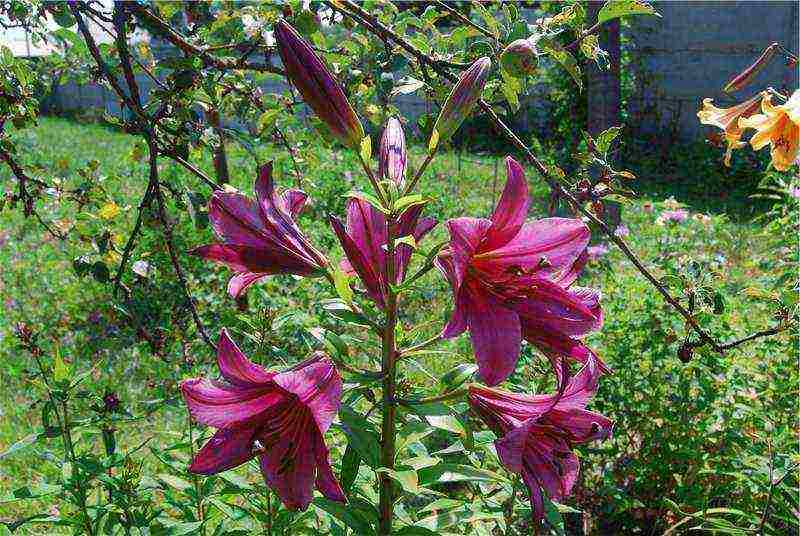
351	517
369	198
407	240
343	311
342	284
453	472
603	140
406	86
491	22
351	460
361	436
61	372
614	9
366	148
408	201
457	375
433	143
565	59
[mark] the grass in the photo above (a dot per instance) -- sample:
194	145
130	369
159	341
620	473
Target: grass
681	431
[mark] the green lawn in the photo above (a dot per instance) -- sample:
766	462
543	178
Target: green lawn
695	434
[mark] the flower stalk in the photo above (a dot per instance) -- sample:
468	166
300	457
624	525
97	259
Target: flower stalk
389	371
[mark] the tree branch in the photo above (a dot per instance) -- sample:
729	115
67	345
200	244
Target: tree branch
182	43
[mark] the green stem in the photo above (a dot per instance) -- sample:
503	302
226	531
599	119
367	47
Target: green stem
415	180
374	182
269	512
389	371
197	488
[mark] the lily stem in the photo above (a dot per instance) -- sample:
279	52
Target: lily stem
415	180
389	371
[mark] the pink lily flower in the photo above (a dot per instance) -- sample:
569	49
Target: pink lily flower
260	238
537	433
364	241
512	278
279	417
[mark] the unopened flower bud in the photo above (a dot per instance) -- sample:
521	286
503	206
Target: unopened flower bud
744	78
111	402
392	154
519	58
318	87
462	98
685	353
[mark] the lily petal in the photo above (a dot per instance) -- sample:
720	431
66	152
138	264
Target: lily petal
549	246
235	367
222	406
512	209
496	338
228	448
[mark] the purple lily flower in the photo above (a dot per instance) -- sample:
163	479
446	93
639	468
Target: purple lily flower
537	433
510	277
260	238
392	155
279	417
364	241
319	88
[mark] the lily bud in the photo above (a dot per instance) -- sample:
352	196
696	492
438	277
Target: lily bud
744	78
519	58
319	88
462	98
392	154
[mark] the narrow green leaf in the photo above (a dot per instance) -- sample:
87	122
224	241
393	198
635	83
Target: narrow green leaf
566	60
366	148
361	436
350	463
349	516
342	284
614	9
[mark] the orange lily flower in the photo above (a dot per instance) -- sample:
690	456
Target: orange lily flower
728	120
779	127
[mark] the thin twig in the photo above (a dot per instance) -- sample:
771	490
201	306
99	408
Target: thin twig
143	204
464	19
182	43
162	216
25	196
583	35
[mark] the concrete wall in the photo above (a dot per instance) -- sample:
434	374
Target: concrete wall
686	55
696	47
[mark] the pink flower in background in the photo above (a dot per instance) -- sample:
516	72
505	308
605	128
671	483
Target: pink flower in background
364	242
678	215
509	276
392	154
595	252
536	433
260	238
622	231
279	417
794	191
